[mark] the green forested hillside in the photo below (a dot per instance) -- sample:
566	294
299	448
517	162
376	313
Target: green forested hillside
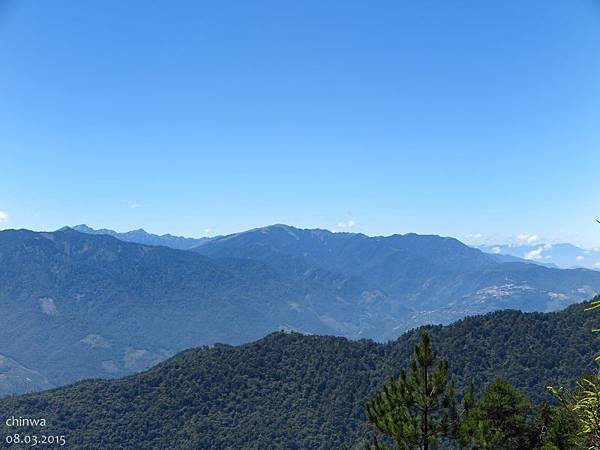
78	305
294	391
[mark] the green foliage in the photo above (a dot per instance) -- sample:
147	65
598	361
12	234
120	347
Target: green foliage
291	391
558	429
594	304
505	419
583	405
415	409
529	350
501	420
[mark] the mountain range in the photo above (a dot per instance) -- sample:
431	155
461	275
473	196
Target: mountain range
141	236
86	305
293	391
563	255
438	279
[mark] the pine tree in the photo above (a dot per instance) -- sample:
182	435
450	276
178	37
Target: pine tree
417	409
500	420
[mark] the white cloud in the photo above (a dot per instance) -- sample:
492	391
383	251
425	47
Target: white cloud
528	238
3	216
348	224
207	231
496	250
535	254
597	264
579	258
135	205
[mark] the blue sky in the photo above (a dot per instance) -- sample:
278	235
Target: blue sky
461	118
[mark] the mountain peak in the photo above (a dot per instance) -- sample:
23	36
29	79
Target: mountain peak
139	231
82	228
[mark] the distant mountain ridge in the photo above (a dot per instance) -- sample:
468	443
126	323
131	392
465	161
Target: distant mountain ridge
350	253
439	278
563	255
141	236
92	305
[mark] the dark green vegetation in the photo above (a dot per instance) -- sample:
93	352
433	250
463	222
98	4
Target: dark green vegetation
417	409
77	305
420	410
504	418
293	391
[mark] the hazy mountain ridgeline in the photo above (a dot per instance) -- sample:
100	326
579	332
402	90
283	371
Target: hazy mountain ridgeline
78	305
141	236
557	255
294	391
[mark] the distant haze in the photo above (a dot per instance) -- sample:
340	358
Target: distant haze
565	256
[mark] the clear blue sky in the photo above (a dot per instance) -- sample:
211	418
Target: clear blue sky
450	117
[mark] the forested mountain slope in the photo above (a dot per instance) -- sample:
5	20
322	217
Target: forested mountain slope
77	305
293	391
